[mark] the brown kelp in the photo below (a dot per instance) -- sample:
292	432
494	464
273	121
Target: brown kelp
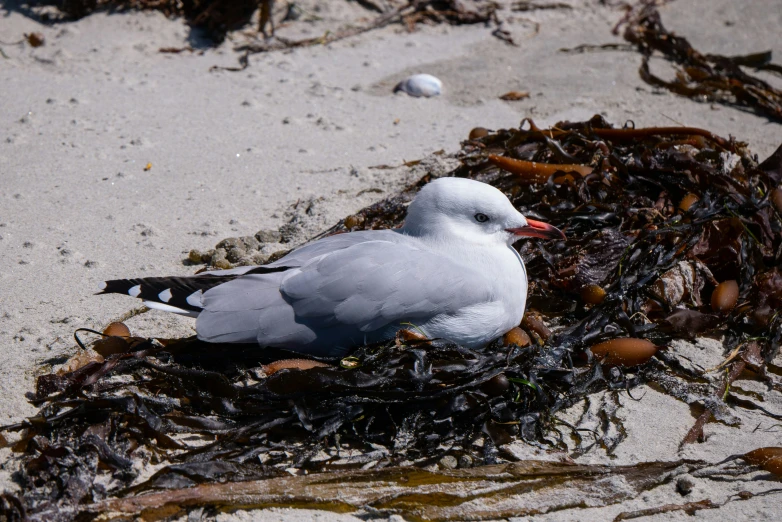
703	77
485	492
660	223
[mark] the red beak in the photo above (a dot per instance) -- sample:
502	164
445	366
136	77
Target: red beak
538	229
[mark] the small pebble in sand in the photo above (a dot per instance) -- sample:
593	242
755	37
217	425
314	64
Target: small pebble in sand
222	264
684	485
448	462
196	256
35	39
268	236
352	222
419	85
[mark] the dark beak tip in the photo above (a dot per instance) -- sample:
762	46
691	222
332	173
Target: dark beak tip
557	236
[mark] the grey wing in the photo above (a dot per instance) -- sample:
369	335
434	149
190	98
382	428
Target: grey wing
305	253
231	312
340	299
357	294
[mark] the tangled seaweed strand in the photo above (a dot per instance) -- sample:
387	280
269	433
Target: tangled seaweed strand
218	17
710	77
396	404
409	14
199	413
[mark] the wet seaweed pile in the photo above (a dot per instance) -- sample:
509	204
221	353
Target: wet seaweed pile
671	233
403	402
703	77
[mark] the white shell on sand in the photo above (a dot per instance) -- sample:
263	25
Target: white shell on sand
420	85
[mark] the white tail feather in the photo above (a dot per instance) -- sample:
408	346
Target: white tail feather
168	308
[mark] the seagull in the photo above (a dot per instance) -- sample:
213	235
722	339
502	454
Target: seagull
450	270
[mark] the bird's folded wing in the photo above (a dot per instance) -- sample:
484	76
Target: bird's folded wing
306	253
378	283
340	298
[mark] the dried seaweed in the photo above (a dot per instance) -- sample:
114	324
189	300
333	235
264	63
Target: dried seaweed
703	77
218	17
693	507
204	414
690	508
525	6
472	494
409	14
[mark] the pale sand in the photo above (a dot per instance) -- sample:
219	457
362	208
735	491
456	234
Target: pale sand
231	152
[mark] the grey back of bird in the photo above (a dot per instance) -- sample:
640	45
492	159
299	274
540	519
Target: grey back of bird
339	292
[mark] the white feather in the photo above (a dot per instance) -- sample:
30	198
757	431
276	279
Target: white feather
194	299
168	308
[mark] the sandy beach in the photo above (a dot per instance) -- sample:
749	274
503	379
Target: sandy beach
116	160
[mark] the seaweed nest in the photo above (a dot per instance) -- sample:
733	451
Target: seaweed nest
671	233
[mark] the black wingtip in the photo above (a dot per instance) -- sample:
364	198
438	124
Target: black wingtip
117	286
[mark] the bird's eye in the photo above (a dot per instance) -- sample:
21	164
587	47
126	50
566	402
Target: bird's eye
481	218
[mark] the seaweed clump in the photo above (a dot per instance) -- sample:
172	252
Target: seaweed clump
657	221
409	402
704	77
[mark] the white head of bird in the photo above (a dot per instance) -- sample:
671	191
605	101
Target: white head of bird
468	211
